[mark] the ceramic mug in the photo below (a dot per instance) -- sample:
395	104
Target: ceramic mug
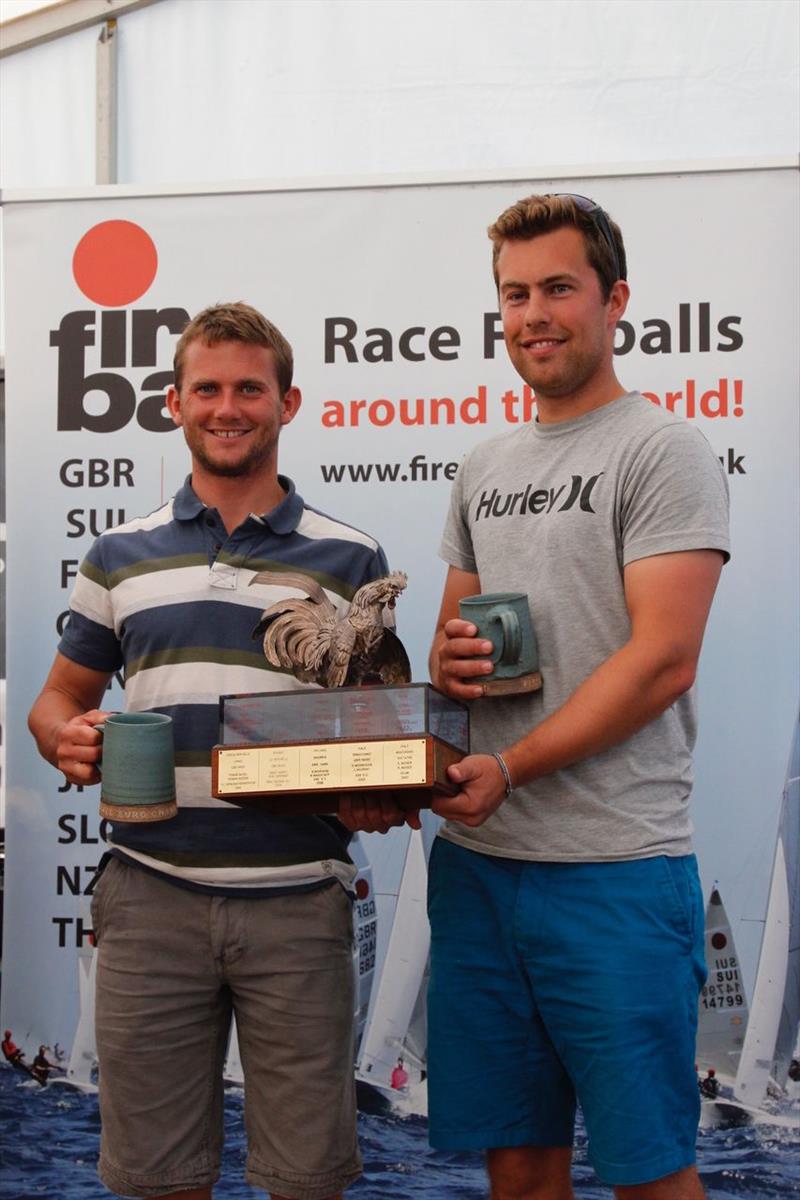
138	767
504	619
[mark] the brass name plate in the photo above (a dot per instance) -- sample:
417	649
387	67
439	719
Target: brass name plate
321	766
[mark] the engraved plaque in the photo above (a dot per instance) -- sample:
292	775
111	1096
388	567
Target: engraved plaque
294	752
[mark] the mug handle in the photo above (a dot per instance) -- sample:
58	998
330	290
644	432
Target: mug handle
98	766
512	634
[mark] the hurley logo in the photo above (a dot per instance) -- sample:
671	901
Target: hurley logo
114	264
538	500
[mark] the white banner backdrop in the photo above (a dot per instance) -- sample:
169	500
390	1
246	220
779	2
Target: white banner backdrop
386	295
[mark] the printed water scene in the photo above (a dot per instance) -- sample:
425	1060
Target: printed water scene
748	1070
51	1139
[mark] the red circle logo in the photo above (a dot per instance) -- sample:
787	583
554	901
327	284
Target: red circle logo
719	941
114	263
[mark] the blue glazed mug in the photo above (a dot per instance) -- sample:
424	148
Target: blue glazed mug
138	767
504	619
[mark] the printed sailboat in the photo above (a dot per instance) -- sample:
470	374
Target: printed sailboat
770	1040
82	1069
722	1013
772	1029
395	1027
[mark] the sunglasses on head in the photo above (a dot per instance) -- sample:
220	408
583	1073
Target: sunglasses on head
593	210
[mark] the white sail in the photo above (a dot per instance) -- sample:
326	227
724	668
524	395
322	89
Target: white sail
775	1011
232	1071
83	1057
789	837
416	1039
402	975
722	1010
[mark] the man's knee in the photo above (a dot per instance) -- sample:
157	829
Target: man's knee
530	1172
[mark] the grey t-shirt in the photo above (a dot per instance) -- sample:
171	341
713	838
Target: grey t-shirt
557	511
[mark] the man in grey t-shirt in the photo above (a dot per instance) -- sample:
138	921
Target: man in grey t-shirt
565	906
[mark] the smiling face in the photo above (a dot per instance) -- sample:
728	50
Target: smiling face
231	409
558	331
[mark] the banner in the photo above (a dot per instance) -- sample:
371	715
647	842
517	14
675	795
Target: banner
386	295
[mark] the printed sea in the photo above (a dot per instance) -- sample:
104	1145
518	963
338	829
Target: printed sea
50	1141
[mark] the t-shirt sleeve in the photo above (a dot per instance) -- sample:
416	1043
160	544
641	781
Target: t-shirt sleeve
675	497
456	545
89	637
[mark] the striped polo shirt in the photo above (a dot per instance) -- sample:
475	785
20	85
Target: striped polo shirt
166	599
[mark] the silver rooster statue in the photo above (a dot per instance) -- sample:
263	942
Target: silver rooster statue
307	636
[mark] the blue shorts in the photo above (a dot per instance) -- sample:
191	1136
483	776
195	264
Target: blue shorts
552	982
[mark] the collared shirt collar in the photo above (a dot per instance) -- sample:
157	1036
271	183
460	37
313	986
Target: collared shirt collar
284	517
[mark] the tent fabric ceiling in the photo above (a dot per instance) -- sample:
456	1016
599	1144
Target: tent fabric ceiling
269	89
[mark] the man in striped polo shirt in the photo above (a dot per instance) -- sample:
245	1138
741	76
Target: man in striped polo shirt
221	908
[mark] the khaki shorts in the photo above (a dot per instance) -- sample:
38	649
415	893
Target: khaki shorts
172	965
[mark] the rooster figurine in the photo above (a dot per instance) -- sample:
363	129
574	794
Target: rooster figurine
308	637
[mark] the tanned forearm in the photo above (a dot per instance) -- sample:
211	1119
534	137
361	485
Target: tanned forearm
52	710
625	693
668	598
64	716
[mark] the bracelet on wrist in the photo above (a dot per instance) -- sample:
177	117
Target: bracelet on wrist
506	776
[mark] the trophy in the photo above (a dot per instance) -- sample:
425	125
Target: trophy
364	727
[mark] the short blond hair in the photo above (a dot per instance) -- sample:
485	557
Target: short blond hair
237	322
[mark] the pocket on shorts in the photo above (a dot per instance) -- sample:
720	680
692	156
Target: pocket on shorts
682	894
100	894
334	899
